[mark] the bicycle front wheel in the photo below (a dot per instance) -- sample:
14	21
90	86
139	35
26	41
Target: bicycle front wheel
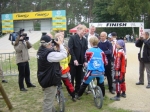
98	99
61	101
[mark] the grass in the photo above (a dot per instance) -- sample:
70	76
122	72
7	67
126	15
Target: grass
36	45
31	101
8	63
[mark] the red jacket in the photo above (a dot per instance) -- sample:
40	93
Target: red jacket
120	61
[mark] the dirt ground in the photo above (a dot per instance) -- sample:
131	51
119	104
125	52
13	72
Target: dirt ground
138	97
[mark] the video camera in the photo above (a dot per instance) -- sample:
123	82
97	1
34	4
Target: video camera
53	41
14	35
25	36
21	31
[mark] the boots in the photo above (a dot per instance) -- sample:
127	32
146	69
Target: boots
102	88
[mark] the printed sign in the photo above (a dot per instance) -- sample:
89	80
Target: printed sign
121	24
7	23
32	15
59	13
59	20
117	24
7	17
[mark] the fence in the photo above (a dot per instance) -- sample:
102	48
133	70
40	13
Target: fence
8	63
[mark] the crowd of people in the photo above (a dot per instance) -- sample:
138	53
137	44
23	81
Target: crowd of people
103	56
90	50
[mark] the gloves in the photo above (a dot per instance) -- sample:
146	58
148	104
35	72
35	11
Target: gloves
120	78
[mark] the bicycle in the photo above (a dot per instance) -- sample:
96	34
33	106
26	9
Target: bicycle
96	92
60	100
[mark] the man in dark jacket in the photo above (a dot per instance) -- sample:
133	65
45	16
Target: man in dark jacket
144	58
49	72
77	48
106	47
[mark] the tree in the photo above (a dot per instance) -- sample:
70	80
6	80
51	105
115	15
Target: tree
130	10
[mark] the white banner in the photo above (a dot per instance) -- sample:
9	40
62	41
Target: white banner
119	24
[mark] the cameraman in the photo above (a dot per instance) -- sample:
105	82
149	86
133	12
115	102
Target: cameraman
49	71
21	47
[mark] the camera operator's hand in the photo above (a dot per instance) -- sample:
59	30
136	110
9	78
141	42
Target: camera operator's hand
58	41
21	38
56	47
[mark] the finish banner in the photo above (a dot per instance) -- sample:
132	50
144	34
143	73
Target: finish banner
32	15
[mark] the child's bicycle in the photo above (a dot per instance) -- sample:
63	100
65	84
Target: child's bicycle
60	106
96	92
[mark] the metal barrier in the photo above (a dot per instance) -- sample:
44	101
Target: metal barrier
8	63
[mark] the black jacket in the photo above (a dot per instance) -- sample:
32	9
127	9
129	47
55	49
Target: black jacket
107	48
48	73
146	50
77	48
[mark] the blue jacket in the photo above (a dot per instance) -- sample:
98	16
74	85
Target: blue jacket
96	59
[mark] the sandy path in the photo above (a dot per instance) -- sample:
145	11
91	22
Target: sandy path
138	97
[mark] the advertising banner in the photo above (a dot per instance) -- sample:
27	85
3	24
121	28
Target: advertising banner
59	20
7	23
32	15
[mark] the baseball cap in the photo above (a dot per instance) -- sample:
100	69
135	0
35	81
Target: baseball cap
45	38
114	34
121	43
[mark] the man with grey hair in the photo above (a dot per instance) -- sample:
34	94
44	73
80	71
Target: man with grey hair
91	33
144	58
49	71
106	47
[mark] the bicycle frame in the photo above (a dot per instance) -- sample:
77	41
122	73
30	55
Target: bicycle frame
92	87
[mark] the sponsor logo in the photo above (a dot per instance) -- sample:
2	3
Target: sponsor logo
7	26
59	23
116	24
22	15
96	64
7	16
42	14
58	18
58	13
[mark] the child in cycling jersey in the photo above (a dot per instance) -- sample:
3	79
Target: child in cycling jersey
120	69
66	78
95	66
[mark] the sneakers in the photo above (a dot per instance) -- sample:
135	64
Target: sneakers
111	91
139	83
123	95
31	86
74	99
148	86
4	81
115	98
78	97
23	89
